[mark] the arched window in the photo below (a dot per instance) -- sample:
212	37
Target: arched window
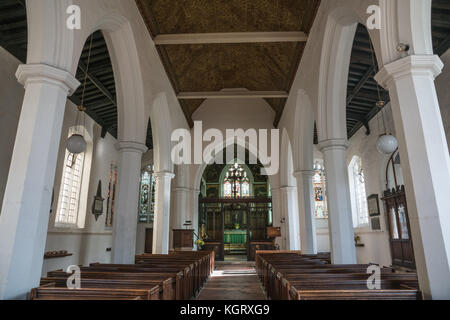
236	183
147	195
319	183
358	193
69	195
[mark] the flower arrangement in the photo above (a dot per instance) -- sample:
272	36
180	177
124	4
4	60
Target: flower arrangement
237	226
200	242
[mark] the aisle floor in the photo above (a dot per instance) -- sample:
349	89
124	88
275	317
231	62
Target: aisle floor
233	281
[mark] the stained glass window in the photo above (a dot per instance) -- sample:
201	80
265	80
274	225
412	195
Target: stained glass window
360	192
69	195
147	195
227	189
319	183
236	183
245	191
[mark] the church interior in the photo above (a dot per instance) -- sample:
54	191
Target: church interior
351	98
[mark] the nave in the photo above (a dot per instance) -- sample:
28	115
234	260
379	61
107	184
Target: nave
95	120
233	281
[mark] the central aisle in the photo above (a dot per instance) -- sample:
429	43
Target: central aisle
233	281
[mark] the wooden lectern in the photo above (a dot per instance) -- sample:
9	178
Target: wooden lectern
183	239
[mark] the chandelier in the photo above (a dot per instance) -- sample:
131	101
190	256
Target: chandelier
236	177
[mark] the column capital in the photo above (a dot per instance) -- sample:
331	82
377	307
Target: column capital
326	145
421	65
182	189
288	188
131	146
42	73
304	173
164	175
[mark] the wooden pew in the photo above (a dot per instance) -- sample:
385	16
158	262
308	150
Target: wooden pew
185	287
167	289
53	293
292	276
360	294
178	275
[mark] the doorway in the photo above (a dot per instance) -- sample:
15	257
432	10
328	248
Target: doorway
148	240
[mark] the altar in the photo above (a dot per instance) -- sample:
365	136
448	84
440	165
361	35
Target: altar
235	236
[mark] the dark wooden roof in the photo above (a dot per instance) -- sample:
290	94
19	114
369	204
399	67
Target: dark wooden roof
213	67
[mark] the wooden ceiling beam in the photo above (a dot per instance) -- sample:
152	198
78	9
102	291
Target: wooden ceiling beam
230	37
233	95
369	73
97	83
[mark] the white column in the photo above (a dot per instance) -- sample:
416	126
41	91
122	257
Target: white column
181	207
290	214
26	203
307	223
278	216
161	222
125	220
425	166
195	193
340	222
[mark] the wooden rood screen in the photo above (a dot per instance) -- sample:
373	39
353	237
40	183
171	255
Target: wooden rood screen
292	276
232	225
177	276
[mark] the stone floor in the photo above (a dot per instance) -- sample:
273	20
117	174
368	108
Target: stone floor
233	281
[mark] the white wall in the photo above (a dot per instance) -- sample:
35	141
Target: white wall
225	114
11	93
443	91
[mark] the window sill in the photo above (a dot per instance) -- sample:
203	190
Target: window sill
67	227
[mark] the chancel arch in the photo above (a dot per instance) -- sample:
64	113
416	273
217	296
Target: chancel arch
235	208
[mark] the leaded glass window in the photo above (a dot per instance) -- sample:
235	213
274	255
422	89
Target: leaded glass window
147	195
236	183
69	195
360	192
319	184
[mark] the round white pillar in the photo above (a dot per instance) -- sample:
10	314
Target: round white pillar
307	223
27	198
161	222
340	221
195	193
290	216
277	216
126	219
425	165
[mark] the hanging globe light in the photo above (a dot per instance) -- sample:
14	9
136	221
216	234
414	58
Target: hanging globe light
387	144
76	144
